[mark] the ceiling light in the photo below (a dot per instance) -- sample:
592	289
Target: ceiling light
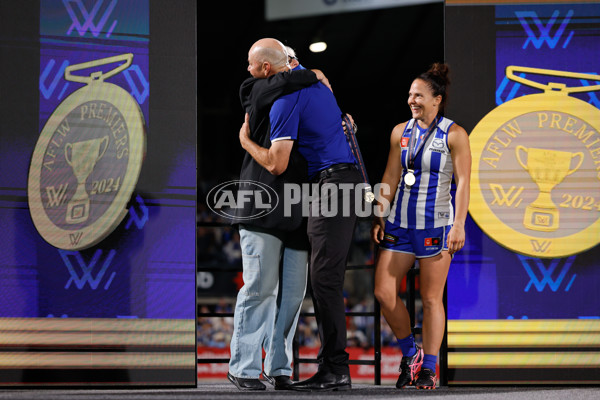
317	47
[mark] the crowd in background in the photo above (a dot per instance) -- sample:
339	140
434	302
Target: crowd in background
215	331
219	248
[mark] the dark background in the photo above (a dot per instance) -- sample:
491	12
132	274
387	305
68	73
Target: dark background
371	60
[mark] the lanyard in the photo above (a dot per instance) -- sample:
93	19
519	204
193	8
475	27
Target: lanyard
351	138
412	151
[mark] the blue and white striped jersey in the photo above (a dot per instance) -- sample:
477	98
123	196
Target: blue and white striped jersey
427	203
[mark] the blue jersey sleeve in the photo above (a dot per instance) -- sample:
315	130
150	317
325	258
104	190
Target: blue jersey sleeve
285	118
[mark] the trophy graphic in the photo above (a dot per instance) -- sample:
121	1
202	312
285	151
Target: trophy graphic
547	169
83	157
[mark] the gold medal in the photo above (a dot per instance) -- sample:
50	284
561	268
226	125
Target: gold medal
535	185
87	160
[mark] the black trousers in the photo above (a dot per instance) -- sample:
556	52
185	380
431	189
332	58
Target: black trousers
330	237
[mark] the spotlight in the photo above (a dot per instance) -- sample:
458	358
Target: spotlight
317	47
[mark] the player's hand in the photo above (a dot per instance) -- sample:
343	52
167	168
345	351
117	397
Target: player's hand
321	76
456	239
377	230
352	121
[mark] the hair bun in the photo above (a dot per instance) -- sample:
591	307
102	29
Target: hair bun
440	71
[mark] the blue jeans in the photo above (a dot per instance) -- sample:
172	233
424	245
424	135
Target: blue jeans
268	305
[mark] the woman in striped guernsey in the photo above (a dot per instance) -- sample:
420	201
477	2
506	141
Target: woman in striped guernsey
424	154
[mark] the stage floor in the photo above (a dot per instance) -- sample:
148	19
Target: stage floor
226	391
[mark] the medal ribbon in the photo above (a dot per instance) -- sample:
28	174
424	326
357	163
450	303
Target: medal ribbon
412	151
351	138
98	75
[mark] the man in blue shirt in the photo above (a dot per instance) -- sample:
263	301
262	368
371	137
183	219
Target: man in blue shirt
311	118
274	245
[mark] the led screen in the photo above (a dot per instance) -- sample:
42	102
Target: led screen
98	193
522	295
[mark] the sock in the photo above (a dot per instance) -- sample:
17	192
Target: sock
407	346
429	361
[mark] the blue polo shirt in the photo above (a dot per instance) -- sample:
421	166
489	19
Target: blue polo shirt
312	117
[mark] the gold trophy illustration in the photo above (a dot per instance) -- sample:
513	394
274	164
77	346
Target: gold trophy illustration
83	157
547	169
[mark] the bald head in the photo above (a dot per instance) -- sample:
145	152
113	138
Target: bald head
267	57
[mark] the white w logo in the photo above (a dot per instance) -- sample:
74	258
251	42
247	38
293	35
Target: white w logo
56	197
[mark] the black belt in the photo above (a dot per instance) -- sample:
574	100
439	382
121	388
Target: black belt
334	168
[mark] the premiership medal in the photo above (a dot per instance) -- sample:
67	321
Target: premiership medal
535	185
87	160
409	178
369	196
413	149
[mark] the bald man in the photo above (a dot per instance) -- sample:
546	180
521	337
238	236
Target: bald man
268	305
311	120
